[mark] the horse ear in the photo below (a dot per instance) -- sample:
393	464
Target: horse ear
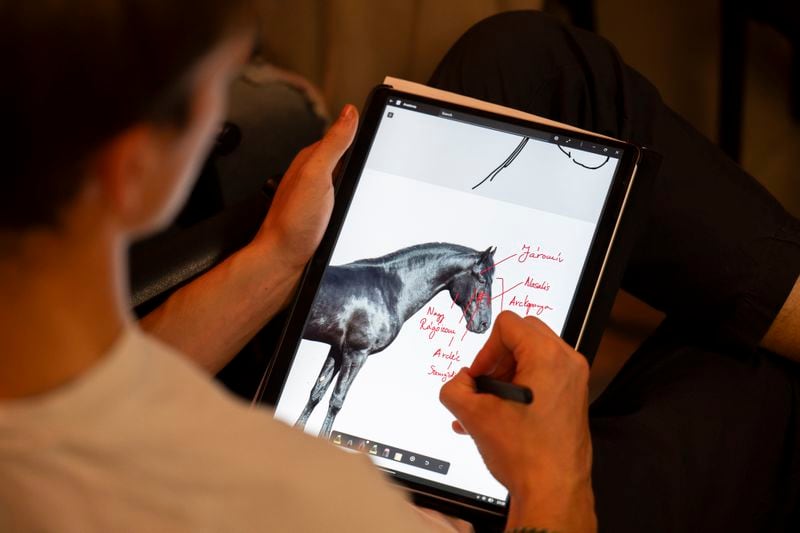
490	251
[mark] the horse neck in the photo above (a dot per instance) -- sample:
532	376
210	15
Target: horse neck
425	277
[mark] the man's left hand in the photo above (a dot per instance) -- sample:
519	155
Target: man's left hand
303	202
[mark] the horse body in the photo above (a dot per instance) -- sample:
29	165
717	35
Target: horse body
356	307
361	307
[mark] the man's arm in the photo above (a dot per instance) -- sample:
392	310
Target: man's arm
783	336
214	316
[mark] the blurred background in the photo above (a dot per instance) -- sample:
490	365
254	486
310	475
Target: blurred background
345	47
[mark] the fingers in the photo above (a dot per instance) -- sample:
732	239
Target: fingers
513	340
497	358
337	140
458	428
456	394
459	396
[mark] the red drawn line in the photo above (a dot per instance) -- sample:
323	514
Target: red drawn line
511	289
454	301
502	291
497	263
451	341
463	314
466	306
479	296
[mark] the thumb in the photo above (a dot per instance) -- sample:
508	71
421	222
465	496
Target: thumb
458	394
337	140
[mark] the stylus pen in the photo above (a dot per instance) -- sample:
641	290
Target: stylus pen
503	389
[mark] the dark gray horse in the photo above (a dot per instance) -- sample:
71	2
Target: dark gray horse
361	306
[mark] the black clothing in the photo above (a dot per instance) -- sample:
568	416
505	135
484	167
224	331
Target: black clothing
700	431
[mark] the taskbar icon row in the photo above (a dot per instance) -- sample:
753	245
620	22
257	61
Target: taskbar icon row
390	452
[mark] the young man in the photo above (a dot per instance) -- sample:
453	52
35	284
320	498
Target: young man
108	108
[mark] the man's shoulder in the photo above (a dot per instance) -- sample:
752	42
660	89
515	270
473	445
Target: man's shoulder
163	440
179	394
188	409
217	440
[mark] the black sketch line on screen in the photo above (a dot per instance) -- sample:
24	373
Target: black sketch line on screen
360	308
505	164
510	159
569	155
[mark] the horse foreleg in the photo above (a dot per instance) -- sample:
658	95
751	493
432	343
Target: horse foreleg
350	367
329	369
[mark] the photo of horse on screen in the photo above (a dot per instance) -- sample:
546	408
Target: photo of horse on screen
361	307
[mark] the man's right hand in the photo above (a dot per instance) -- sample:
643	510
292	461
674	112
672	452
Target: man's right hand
541	452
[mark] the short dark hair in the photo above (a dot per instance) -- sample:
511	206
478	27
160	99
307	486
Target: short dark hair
77	72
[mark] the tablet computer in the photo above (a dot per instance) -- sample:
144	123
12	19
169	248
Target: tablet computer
445	215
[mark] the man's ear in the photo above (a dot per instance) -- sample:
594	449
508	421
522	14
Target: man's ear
119	168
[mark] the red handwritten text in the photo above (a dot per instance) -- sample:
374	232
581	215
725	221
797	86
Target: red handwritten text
451	356
438	316
433	328
444	375
529	306
527	253
539	285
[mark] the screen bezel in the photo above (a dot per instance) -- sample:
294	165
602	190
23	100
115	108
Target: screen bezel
346	183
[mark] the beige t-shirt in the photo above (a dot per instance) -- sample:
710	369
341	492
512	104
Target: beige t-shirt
145	441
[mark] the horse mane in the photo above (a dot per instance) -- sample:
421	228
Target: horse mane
422	252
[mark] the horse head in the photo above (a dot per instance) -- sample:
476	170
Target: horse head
471	290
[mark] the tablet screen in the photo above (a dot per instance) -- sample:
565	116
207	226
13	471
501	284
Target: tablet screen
455	218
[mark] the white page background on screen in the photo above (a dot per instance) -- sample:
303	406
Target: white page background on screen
457	155
394	398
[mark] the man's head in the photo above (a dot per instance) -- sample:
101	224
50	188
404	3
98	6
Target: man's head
110	104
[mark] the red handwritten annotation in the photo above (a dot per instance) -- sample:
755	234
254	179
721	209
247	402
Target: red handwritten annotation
529	306
450	356
431	328
434	321
538	285
527	253
444	375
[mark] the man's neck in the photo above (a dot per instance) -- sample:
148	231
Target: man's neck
60	308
